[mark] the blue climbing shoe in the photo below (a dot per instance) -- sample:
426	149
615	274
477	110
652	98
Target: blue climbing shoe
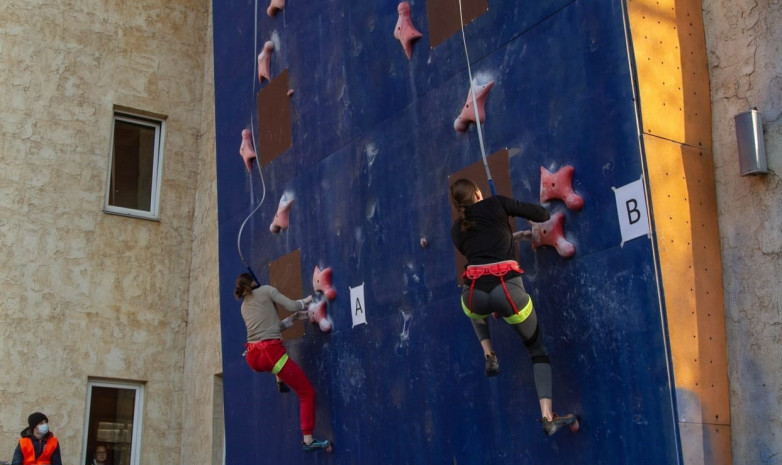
316	444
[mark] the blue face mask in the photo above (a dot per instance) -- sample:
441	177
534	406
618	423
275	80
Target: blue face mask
43	429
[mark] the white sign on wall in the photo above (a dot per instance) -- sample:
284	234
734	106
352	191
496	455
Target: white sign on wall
357	309
631	209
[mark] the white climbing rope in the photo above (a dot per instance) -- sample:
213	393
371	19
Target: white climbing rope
475	104
255	144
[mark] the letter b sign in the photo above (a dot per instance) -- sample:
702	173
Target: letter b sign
631	208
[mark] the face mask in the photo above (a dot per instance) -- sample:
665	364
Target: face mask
43	429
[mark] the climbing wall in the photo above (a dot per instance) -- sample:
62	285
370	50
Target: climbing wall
335	146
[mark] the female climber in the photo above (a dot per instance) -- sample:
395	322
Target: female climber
265	351
492	283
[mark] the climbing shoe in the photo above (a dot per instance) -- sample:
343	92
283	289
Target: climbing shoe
316	444
557	422
492	365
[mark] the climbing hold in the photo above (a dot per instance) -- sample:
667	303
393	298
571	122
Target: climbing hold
263	61
317	313
405	32
290	92
559	185
467	115
550	233
321	282
246	149
282	217
424	242
275	6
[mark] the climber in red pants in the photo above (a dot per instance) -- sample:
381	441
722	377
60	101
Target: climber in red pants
492	283
265	351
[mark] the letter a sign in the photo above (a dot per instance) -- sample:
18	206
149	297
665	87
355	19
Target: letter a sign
357	305
631	208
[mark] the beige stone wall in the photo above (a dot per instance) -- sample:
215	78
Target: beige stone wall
744	43
87	294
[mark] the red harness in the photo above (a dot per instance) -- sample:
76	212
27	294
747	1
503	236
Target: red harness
500	269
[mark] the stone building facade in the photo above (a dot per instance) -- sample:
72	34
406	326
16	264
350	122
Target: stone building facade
89	295
95	296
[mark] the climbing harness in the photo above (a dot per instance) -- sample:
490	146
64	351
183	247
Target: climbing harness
475	105
499	269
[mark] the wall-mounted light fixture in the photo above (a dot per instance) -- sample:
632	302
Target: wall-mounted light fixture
752	149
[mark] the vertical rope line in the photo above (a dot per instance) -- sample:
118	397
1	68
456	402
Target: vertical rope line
255	145
475	104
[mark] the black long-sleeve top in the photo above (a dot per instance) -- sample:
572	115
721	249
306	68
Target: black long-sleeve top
490	239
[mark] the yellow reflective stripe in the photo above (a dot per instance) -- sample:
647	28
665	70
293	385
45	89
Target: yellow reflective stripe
280	363
521	316
471	314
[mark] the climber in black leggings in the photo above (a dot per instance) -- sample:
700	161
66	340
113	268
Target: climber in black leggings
493	285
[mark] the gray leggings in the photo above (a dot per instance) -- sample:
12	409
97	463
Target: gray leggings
485	303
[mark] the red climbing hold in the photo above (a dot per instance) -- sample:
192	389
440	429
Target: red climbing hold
246	149
275	6
317	314
559	185
467	115
551	233
321	282
264	58
405	32
282	218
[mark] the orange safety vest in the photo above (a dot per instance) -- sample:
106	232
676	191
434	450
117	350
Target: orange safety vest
28	451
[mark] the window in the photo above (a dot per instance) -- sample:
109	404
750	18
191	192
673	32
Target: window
113	422
134	172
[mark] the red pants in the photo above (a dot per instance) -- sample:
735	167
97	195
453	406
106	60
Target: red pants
264	355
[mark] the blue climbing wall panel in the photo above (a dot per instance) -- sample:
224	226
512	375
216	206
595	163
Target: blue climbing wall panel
373	146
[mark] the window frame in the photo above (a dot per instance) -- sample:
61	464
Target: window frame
138	417
159	125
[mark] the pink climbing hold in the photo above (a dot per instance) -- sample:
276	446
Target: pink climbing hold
275	6
321	282
467	115
246	149
551	233
263	61
282	217
559	185
405	32
317	313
